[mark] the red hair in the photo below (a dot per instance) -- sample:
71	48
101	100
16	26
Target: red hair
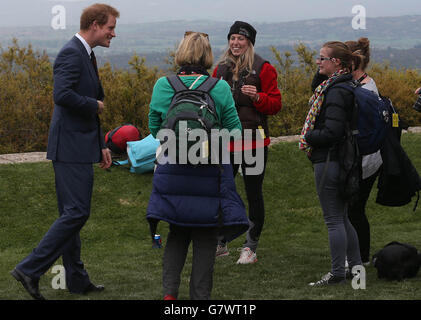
97	12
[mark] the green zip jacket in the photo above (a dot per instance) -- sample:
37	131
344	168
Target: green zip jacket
221	94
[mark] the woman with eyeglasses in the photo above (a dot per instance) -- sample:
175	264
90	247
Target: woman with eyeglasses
371	163
324	128
198	201
254	86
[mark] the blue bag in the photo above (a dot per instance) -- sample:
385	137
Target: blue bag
374	117
141	154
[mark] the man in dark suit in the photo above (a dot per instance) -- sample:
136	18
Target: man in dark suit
75	142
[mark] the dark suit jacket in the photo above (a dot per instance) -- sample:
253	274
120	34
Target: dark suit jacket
75	132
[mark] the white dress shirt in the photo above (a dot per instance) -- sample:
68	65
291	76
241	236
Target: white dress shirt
86	45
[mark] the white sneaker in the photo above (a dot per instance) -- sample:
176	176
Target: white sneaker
247	256
222	250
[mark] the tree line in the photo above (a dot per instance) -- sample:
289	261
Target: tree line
26	93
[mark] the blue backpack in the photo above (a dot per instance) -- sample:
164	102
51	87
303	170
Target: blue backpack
373	117
141	155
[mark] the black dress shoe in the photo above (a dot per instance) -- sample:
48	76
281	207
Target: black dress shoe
93	288
28	283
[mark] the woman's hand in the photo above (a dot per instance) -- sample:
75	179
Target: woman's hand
250	91
418	91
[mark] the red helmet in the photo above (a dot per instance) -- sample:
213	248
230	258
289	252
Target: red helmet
116	140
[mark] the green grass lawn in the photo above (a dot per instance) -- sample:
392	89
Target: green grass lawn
116	246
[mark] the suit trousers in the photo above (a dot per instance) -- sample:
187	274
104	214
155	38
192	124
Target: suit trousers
74	183
204	245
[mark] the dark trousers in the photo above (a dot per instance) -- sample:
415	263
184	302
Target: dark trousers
256	207
204	246
343	240
74	183
358	218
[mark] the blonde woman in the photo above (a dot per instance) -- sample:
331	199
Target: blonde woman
254	86
188	197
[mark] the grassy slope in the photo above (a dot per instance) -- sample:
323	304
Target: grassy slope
117	252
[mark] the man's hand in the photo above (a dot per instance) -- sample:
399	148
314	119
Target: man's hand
106	159
100	106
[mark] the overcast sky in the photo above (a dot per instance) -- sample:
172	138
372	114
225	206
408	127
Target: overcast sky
39	12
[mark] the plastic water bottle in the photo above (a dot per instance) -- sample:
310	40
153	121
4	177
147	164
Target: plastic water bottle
157	242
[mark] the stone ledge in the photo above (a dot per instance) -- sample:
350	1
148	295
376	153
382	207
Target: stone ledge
23	157
41	156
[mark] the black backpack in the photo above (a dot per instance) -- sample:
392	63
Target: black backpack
397	261
350	167
196	108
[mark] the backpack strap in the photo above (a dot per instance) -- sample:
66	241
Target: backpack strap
176	83
351	86
110	135
110	144
179	85
208	84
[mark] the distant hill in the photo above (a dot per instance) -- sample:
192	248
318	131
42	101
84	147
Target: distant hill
397	39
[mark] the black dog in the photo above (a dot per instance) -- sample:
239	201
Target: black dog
397	261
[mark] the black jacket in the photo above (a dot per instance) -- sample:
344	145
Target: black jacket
329	128
398	180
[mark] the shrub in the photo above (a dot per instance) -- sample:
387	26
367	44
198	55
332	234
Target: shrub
26	93
127	95
25	99
294	80
26	102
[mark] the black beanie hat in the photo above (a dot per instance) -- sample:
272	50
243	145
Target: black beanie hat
245	29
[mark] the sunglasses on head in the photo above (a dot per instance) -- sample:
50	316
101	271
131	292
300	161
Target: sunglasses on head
187	33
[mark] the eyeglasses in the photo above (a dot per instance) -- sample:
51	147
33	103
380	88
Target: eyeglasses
187	33
324	58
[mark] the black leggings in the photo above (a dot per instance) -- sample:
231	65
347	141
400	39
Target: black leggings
254	190
358	218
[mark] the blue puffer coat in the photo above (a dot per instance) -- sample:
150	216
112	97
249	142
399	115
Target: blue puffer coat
192	196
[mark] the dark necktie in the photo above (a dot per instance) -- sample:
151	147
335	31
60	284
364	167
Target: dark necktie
93	60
